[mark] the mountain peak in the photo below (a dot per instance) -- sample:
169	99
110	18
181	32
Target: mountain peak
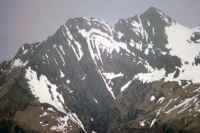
156	14
88	24
101	79
153	10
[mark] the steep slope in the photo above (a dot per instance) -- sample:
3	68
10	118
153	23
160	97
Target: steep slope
171	82
139	76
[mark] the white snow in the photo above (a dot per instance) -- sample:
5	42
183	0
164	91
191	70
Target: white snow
124	87
19	63
161	100
148	23
43	124
148	67
46	56
168	103
197	90
179	46
62	49
99	42
68	81
198	40
152	123
50	109
111	76
187	72
95	100
44	90
142	123
137	27
56	61
83	77
184	105
152	98
132	43
107	85
63	123
120	35
54	46
61	56
149	47
158	112
178	37
75	119
72	41
44	114
70	90
138	46
107	27
92	119
155	75
25	51
68	33
62	75
79	53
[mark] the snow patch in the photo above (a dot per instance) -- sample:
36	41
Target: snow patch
111	76
61	56
156	75
178	44
25	51
161	100
68	81
120	35
152	123
19	63
44	114
124	87
178	37
62	49
142	123
44	90
95	100
71	41
62	75
184	105
152	98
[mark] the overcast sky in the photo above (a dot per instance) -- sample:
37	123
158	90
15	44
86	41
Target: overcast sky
24	21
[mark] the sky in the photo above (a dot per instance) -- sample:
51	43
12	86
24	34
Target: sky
28	21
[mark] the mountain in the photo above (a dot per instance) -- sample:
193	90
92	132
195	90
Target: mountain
141	76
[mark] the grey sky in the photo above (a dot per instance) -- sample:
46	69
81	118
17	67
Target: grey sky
33	20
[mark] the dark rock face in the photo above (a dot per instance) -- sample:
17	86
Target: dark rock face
89	77
196	35
151	30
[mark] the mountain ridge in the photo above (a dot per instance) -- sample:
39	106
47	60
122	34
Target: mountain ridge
91	77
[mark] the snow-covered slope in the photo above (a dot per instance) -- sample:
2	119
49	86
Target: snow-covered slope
89	71
179	45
